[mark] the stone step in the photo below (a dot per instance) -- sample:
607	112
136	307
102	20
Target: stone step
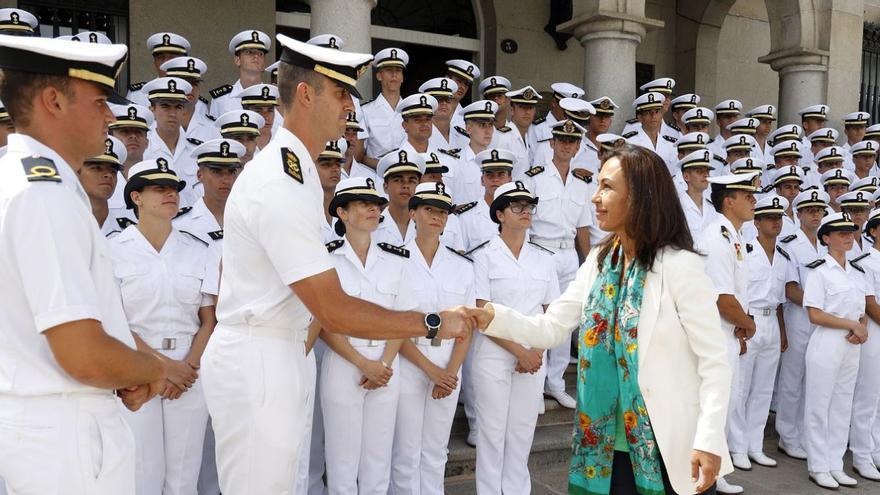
551	446
554	414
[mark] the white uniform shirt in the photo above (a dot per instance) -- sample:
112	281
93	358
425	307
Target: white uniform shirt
525	283
562	208
465	178
665	147
118	219
55	266
181	161
200	222
476	225
836	290
518	146
767	279
448	282
802	252
389	233
118	198
163	291
380	280
697	220
539	132
725	261
266	247
870	262
437	141
227	102
587	156
202	128
384	125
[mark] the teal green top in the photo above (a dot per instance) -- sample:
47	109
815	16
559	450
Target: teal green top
620	443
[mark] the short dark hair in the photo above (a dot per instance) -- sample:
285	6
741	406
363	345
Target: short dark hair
289	77
718	195
655	217
19	88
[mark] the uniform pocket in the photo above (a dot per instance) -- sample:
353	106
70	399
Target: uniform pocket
188	285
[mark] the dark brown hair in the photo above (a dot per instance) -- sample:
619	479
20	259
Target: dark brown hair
289	77
654	218
19	88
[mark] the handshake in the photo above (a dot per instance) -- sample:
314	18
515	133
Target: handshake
460	321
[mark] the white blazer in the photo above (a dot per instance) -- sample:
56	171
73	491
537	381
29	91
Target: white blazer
684	375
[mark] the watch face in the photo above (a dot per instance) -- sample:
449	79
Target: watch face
433	320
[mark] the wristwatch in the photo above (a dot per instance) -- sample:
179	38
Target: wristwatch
433	322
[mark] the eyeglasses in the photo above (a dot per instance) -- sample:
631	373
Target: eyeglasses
524	208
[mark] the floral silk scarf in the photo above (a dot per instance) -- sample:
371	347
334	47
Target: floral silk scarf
608	375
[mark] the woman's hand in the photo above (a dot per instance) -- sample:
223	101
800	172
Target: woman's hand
443	379
440	393
530	360
181	374
860	330
171	391
376	374
705	467
482	316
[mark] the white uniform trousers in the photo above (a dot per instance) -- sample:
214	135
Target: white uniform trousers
559	357
75	444
305	450
256	387
468	395
316	453
757	376
866	400
736	394
832	368
357	448
421	437
790	387
507	412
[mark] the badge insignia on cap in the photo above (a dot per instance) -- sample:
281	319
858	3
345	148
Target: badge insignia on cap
371	183
520	186
489	106
172	86
814	196
224	149
163	164
434	158
93	38
700	139
441	188
776	203
108	146
394	53
255	36
444	84
401	157
291	165
166	39
528	94
700	113
423	101
191	65
332	42
494	154
245	120
15	17
650	98
470	69
568	126
265	92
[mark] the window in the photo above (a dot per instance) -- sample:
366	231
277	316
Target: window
869	99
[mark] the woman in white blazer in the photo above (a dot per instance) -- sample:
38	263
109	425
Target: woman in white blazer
672	438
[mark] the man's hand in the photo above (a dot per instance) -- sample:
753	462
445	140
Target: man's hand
135	397
375	372
171	391
482	316
783	343
743	347
530	360
457	323
704	469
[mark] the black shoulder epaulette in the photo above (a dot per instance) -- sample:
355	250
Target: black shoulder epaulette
725	233
632	120
546	140
534	171
460	254
541	247
452	153
195	141
462	131
630	134
183	211
815	264
136	86
220	91
788	238
856	266
670	139
674	126
334	245
365	103
768	188
389	248
216	235
291	166
783	252
113	233
718	158
459	209
504	129
539	120
210	117
124	222
194	237
203	99
40	169
749	248
861	256
476	248
582	174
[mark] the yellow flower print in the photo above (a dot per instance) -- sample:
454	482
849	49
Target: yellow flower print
610	291
631	348
591	337
616	333
630	420
590	471
604	472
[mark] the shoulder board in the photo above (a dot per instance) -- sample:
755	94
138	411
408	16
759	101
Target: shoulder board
783	252
459	209
547	140
334	245
788	238
768	188
291	166
632	120
365	103
221	91
203	99
861	257
749	248
399	251
195	141
217	235
183	211
453	153
542	248
582	174
136	86
718	158
462	131
725	233
40	169
539	120
194	237
670	138
210	117
856	266
124	222
815	264
460	254
629	134
113	233
674	126
476	248
534	171
504	129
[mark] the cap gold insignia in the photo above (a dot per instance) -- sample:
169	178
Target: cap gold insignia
224	149
605	105
108	146
245	119
332	42
776	202
172	86
14	16
93	38
441	188
520	186
568	126
166	39
401	157
370	183
163	164
528	94
265	92
132	112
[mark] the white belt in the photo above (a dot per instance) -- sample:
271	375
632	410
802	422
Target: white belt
267	331
168	343
762	311
553	243
435	342
356	342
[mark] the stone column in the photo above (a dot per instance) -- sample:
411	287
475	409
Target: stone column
802	80
610	40
350	19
